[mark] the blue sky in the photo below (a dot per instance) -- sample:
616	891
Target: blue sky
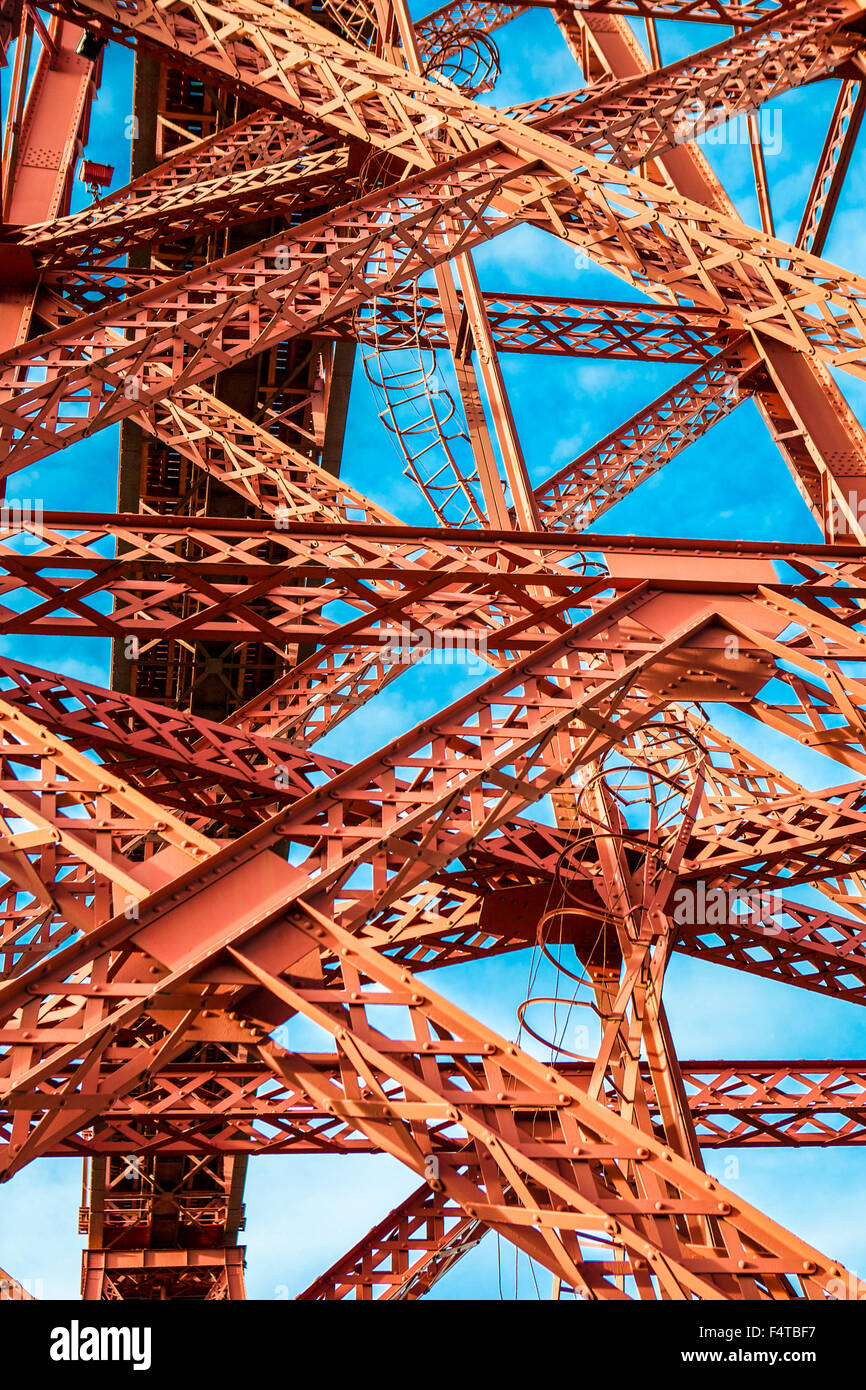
303	1213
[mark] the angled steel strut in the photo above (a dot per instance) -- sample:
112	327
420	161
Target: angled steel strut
186	867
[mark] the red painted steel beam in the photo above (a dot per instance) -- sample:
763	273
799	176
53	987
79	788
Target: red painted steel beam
822	442
558	326
39	164
637	102
128	364
152	577
832	166
583	490
57	958
488	15
534	719
516	1177
417	1243
403	1255
547	325
222	940
798	844
105	414
232	1106
641	117
188	763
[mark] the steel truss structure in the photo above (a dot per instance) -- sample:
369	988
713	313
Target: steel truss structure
185	870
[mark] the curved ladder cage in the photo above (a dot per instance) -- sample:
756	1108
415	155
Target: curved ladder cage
422	416
653	777
416	407
468	60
